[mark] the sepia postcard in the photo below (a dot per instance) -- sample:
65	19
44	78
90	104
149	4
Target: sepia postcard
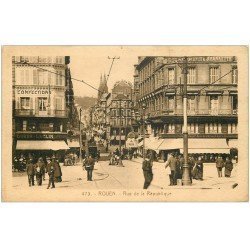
125	123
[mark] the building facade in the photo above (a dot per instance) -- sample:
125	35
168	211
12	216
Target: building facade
43	104
212	99
120	112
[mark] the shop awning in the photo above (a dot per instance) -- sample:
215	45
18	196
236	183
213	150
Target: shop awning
41	145
151	143
73	144
212	146
171	144
233	143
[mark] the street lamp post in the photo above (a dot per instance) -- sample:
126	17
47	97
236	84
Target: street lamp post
143	129
186	180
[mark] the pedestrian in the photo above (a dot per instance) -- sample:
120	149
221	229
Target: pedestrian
51	171
30	172
172	162
198	170
178	168
191	164
147	165
39	171
219	165
58	170
228	167
89	166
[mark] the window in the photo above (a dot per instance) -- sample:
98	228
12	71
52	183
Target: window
213	128
24	125
171	103
49	78
44	127
234	128
25	102
59	104
27	80
214	74
191	128
171	129
22	76
171	76
35	80
191	104
234	75
42	104
41	77
191	77
235	102
214	105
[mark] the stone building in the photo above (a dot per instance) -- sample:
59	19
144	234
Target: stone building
212	102
43	104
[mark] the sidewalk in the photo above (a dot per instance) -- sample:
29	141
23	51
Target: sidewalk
210	177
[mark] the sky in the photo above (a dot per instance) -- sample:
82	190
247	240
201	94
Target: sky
93	62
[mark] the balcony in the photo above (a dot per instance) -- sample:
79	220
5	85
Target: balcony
200	112
38	113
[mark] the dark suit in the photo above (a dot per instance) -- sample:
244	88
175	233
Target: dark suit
219	166
147	172
30	172
89	166
51	171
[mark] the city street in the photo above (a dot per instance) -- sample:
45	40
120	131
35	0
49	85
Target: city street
128	177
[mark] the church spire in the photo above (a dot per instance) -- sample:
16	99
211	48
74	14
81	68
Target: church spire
101	79
104	79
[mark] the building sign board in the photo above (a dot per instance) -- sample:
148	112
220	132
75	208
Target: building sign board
40	136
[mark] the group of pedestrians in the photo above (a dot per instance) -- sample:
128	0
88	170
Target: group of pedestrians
176	165
227	164
39	170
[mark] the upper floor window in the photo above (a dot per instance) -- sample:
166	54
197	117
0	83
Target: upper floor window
214	73
234	75
191	77
25	102
171	75
171	103
59	104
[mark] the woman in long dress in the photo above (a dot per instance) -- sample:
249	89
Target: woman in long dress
198	170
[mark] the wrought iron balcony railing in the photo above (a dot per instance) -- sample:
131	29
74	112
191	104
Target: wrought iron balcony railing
44	113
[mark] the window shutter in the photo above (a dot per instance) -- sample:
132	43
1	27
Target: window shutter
18	103
31	103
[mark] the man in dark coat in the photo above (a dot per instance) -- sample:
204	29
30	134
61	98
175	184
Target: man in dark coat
39	171
89	166
147	172
51	171
219	166
191	164
30	172
172	163
228	167
58	171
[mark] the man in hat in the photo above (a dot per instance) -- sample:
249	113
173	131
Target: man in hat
172	163
30	172
51	171
89	167
147	171
219	165
39	171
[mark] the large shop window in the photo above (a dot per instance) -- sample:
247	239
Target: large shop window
191	77
25	102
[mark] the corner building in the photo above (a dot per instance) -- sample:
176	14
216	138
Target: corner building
212	103
41	104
